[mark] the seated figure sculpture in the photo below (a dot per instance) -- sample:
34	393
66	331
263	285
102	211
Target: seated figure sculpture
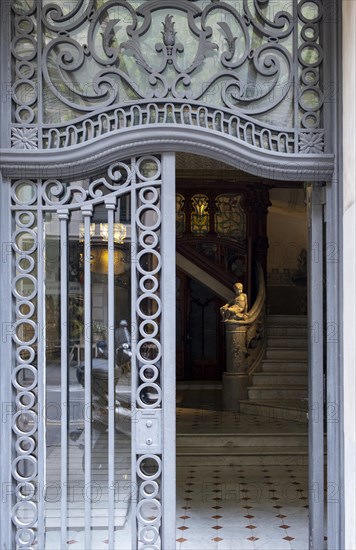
235	309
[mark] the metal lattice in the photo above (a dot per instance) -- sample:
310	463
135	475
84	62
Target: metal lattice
250	69
34	202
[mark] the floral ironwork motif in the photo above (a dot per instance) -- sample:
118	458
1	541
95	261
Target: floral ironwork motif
253	63
24	138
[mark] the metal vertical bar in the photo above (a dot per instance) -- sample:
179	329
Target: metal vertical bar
168	293
111	206
8	363
332	71
316	374
296	75
39	85
134	331
6	274
41	369
64	217
87	213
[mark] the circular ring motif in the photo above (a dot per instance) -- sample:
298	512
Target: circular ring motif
145	490
310	77
152	504
306	29
22	10
26	509
318	11
22	305
29	279
29	357
29	69
25	490
25	399
141	303
149	200
149	535
24	114
24	192
25	537
155	460
151	235
141	255
148	208
144	373
148	279
22	39
153	346
156	399
311	47
311	120
20	369
24	82
25	224
148	323
313	91
22	323
32	464
22	233
25	417
25	440
27	23
149	160
27	260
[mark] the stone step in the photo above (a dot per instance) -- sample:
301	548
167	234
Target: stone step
291	410
273	438
287	331
238	456
280	392
289	354
268	365
280	379
283	342
286	320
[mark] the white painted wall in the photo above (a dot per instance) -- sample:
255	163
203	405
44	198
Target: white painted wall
349	267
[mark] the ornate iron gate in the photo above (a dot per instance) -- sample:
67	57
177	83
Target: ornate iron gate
98	467
86	83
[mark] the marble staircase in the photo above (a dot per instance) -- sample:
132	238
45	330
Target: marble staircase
280	388
271	426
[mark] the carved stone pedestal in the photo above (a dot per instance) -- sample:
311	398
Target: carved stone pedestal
235	380
234	387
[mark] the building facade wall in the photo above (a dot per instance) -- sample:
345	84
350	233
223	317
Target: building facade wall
349	268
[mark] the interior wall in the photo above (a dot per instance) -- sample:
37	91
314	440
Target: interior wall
287	232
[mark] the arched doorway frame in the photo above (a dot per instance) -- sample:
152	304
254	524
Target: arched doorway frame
103	158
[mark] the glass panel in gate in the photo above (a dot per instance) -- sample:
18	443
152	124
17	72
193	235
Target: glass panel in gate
87	465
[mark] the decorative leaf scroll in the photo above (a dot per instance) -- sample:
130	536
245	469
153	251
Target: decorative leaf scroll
249	57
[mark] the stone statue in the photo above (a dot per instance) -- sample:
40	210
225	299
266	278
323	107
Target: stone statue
235	309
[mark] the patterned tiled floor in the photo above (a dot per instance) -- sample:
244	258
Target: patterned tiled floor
225	507
250	507
229	508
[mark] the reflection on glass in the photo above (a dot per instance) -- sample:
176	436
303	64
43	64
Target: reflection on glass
80	456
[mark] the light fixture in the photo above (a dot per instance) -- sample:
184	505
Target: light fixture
99	254
101	231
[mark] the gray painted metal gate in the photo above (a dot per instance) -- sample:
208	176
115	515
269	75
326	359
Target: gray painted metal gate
248	88
89	288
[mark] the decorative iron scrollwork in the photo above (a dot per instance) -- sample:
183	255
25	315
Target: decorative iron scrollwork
257	60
